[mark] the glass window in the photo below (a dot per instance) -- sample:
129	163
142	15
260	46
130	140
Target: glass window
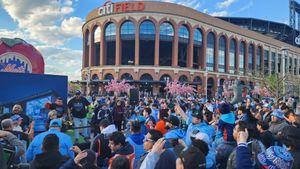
183	34
279	62
266	62
110	32
242	57
250	57
210	50
166	31
222	54
197	48
147	30
127	30
258	59
232	56
97	35
291	65
295	66
197	37
273	62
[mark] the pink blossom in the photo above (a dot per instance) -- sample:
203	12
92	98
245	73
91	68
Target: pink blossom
118	87
175	88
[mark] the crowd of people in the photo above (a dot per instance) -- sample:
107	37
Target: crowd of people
158	133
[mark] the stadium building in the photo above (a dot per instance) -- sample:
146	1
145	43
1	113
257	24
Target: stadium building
149	43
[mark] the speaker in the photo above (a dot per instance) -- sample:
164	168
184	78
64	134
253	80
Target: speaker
134	96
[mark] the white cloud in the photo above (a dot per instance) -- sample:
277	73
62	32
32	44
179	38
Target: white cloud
195	4
220	13
225	4
62	61
44	20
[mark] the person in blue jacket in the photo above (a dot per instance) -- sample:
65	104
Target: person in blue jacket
136	140
65	142
200	125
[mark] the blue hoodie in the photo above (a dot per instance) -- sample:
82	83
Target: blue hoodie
136	140
226	126
176	133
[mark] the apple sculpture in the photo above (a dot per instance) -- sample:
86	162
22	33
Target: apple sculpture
16	55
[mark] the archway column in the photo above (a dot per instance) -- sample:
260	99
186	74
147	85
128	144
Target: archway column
137	47
190	54
156	54
102	49
175	48
91	50
118	46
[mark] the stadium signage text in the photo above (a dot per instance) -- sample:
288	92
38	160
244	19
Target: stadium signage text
297	40
110	7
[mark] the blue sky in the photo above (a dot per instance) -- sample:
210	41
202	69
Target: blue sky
54	26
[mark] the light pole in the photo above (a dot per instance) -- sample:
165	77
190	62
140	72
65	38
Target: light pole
283	50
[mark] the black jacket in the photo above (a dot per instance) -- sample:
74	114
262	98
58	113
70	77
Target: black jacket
48	160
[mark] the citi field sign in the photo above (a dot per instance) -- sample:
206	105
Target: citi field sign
110	7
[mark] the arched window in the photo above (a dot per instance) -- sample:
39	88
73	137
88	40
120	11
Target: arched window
87	48
110	43
242	55
210	52
95	77
126	76
165	78
197	49
198	80
128	43
250	58
258	59
183	78
232	56
108	77
166	44
183	35
96	47
147	43
146	77
222	54
128	30
210	86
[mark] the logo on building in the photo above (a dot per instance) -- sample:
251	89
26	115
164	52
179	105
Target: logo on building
110	7
297	40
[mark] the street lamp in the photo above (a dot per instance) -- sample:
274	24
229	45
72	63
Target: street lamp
283	50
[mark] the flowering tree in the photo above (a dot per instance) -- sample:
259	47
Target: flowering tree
175	88
262	91
117	87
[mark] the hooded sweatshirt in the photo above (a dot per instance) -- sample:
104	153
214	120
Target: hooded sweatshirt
136	140
175	134
48	160
226	126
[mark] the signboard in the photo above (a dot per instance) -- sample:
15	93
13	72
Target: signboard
110	7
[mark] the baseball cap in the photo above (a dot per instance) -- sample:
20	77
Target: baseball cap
276	157
173	120
277	113
16	118
55	123
198	115
196	134
77	92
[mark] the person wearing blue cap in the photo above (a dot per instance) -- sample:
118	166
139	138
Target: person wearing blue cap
65	142
277	122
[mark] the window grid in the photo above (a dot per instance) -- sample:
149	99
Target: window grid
232	56
242	57
110	32
222	54
210	50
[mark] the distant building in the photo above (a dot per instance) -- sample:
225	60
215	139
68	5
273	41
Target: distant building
149	43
